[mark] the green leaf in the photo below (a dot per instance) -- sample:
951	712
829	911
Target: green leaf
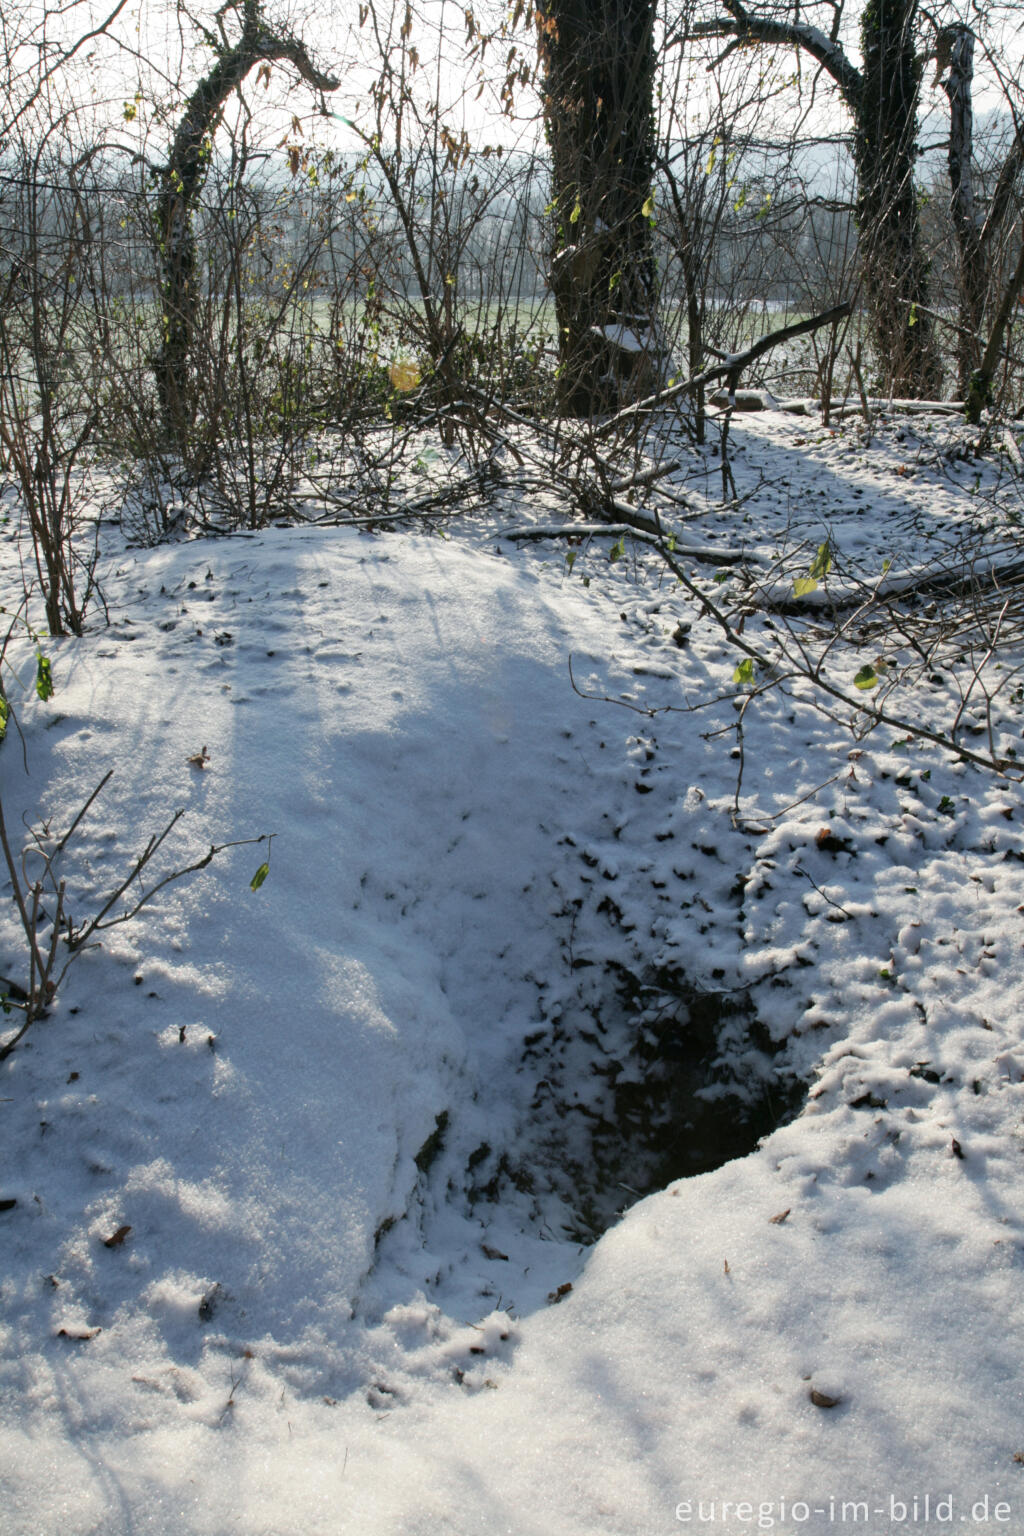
570	558
867	677
574	217
720	576
4	713
744	673
648	208
617	550
819	569
822	562
44	677
259	877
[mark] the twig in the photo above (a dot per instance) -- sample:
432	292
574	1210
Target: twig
44	978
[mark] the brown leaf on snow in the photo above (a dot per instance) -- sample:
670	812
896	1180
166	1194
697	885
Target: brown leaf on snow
117	1238
776	1221
822	1399
563	1290
200	759
492	1253
827	842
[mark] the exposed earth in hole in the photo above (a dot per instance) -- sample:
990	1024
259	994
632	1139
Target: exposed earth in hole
638	1084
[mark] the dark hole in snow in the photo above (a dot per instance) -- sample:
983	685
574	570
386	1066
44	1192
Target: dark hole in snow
650	1080
428	1153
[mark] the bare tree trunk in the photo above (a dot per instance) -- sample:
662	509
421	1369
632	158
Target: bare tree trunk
689	261
976	240
956	50
598	101
979	389
181	182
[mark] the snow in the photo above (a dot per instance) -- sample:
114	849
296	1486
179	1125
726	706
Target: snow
623	337
349	1117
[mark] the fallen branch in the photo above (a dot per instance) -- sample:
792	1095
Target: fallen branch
783	666
923	582
704	552
730	368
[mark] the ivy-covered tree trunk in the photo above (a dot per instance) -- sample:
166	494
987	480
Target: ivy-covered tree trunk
882	99
895	272
978	231
181	181
598	58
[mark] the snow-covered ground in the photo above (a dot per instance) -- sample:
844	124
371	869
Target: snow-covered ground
366	1124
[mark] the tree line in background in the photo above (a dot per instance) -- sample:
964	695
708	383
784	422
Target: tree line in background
235	250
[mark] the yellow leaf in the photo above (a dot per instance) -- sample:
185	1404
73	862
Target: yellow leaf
804	584
404	376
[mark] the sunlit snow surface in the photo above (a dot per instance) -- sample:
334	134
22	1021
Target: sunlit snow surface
309	1331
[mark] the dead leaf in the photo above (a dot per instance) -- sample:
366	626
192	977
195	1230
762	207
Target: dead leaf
117	1239
492	1253
958	1150
563	1290
822	1399
725	1267
776	1221
200	759
81	1335
828	842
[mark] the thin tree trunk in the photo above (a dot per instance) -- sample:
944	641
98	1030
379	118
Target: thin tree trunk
979	391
